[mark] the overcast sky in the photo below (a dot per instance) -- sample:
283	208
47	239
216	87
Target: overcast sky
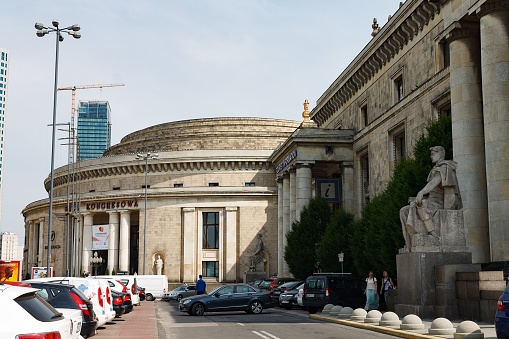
178	60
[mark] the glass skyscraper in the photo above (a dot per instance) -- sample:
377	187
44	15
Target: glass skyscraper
94	129
4	54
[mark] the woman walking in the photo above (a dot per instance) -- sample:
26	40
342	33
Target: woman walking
387	284
371	292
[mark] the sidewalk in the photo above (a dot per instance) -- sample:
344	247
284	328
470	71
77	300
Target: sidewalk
487	329
141	323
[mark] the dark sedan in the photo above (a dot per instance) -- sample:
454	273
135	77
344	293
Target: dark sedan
284	288
288	299
237	297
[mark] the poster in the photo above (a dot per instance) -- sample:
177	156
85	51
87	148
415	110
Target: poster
10	268
100	235
41	272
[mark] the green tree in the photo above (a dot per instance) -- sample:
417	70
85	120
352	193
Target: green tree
304	237
337	239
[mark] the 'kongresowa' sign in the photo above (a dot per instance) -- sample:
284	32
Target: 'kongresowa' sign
111	205
287	161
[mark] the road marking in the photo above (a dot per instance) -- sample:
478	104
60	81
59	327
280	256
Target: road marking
241	324
265	335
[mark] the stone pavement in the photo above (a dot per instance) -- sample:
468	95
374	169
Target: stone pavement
487	329
141	323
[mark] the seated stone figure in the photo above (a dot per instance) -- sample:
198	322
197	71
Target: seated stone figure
440	193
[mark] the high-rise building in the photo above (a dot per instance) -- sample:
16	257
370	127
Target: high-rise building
9	247
94	129
3	99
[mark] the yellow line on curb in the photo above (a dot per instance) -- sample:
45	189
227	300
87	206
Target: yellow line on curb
376	328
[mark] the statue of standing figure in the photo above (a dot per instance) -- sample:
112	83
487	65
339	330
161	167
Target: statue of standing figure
257	257
441	192
159	265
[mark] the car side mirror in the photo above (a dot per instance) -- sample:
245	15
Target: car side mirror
217	295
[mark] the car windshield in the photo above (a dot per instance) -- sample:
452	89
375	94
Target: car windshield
180	288
38	308
265	283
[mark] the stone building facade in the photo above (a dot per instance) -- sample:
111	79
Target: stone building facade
209	192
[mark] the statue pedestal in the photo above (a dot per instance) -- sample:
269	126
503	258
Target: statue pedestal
250	277
417	281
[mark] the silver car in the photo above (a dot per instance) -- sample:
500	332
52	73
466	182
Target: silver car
179	293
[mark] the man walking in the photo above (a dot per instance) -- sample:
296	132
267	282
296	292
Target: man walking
201	286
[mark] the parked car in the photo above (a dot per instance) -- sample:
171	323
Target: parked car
25	314
271	283
321	289
130	281
180	293
154	285
276	292
141	292
288	299
68	296
502	315
237	297
299	297
118	303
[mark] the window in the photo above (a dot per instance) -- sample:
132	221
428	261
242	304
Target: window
399	88
178	185
117	188
211	230
364	162
249	184
143	186
213	184
210	269
399	148
363	115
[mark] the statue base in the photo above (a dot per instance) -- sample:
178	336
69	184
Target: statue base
250	277
418	281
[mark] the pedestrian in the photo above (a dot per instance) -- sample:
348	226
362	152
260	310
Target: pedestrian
371	292
201	285
387	284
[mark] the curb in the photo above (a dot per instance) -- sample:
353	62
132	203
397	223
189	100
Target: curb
376	328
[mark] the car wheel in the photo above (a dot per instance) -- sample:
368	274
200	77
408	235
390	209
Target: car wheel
149	297
198	309
179	297
288	307
312	310
256	307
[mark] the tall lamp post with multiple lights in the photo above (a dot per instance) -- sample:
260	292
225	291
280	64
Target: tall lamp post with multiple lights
145	157
42	31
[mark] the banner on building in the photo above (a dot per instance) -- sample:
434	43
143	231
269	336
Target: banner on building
329	189
41	272
100	234
10	270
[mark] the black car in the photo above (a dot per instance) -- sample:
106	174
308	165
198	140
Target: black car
340	289
284	288
271	283
236	297
288	299
118	303
68	296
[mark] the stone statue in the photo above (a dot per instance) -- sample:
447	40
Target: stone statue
159	265
440	193
257	257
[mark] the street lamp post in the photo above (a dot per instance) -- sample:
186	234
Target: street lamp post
145	157
341	257
96	262
42	31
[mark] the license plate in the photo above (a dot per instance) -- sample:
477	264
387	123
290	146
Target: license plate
284	301
310	295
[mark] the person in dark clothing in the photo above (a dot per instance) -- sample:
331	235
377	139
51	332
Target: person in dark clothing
201	285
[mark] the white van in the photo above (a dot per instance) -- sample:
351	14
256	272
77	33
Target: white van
155	285
107	299
130	282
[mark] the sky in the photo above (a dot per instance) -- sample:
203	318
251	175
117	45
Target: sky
178	59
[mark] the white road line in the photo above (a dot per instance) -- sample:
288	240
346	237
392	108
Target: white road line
270	335
241	324
265	335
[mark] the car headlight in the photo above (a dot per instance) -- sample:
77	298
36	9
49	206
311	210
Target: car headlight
185	301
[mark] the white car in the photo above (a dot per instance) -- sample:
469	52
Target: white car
299	297
25	315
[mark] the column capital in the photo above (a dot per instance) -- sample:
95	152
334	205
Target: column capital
124	212
461	30
111	212
42	219
279	179
302	164
492	6
231	209
188	209
347	164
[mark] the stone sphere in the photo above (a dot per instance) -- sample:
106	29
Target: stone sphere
373	316
441	326
468	329
335	310
411	322
345	313
359	314
390	319
327	308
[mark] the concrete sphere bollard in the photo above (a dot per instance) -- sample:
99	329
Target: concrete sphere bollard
335	311
359	314
468	329
441	326
373	316
345	313
411	322
390	319
327	308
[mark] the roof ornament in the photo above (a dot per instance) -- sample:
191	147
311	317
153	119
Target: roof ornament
376	28
306	113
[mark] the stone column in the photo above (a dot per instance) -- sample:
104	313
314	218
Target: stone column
113	241
468	135
280	234
32	245
347	186
124	247
190	244
231	244
495	86
88	221
286	218
40	249
304	189
293	195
